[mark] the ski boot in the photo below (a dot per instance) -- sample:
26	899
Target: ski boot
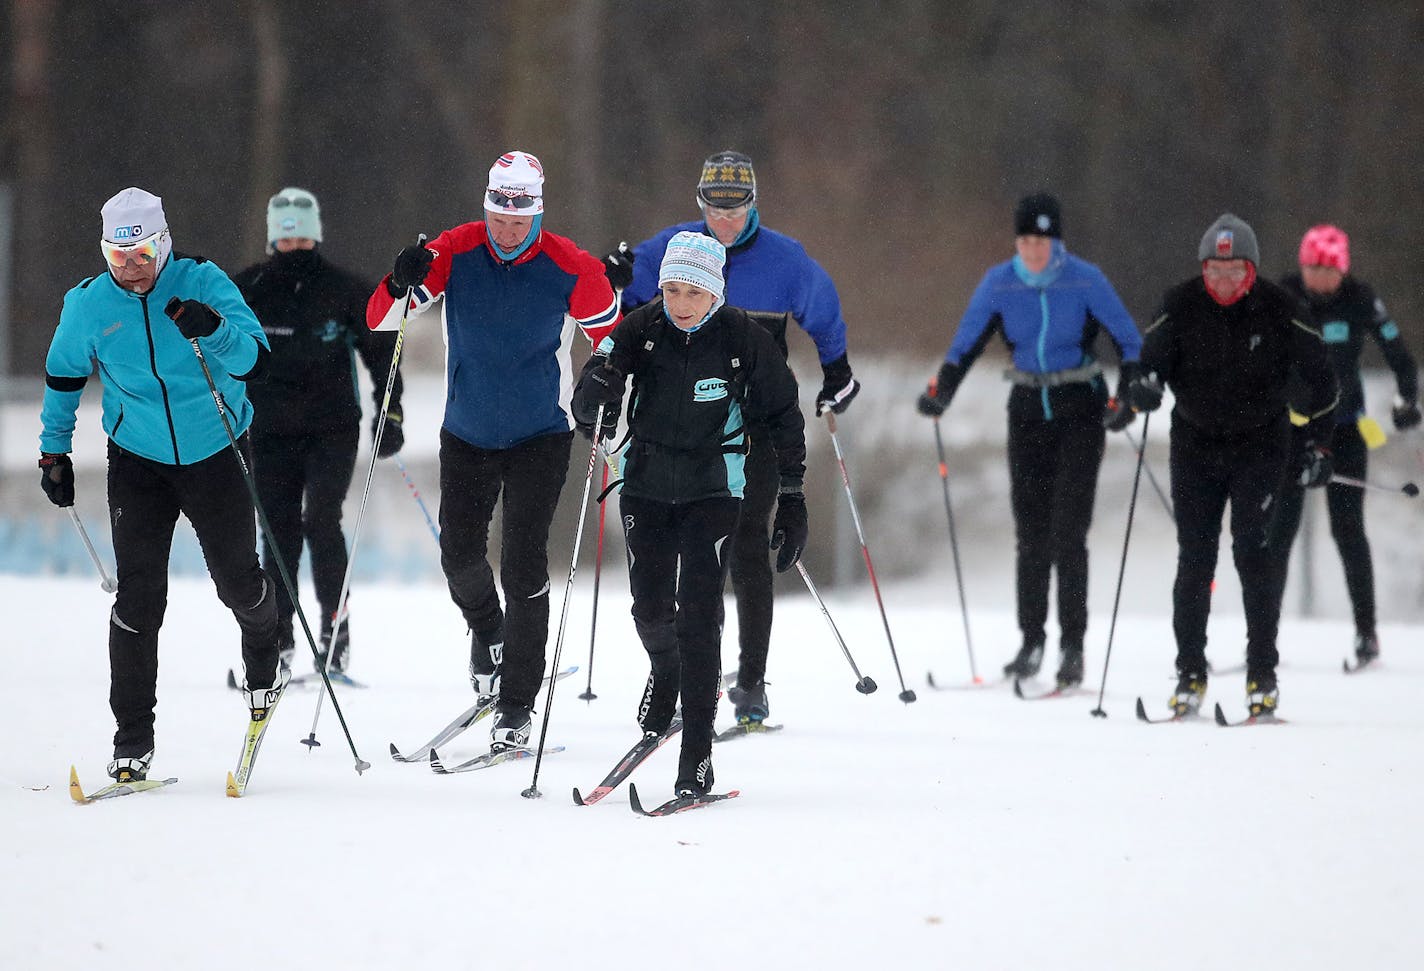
750	704
1262	696
486	655
1070	669
1186	701
1027	662
260	700
511	729
694	772
130	768
1366	648
286	646
340	651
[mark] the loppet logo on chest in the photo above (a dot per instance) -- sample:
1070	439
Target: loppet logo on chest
709	389
330	331
1336	332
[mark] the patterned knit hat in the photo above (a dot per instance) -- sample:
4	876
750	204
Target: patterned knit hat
1229	238
293	214
697	260
516	185
1326	245
727	181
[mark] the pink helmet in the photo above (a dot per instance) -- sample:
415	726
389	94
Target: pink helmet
1325	245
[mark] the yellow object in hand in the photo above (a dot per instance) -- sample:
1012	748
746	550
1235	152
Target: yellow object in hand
1371	432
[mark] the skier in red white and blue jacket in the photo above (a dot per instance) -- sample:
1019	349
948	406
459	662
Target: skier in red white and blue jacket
514	295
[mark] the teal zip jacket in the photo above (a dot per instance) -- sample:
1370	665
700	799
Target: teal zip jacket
156	401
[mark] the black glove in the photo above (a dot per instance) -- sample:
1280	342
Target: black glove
194	318
840	388
1117	415
392	438
600	385
618	267
1316	466
1405	414
789	530
57	478
1143	392
412	264
941	390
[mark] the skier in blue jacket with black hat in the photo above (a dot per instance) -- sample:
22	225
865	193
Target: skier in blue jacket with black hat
168	451
1049	305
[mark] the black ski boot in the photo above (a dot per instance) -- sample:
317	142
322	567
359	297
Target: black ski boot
1262	695
340	651
694	771
1191	692
1366	648
750	704
286	647
511	729
486	654
131	765
1070	668
1027	662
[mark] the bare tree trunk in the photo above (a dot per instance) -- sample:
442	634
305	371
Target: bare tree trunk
268	158
32	132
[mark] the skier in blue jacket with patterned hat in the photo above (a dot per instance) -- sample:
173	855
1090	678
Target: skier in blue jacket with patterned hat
773	278
1049	306
168	451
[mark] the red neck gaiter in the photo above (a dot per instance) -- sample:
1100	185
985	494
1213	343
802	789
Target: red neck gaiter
1227	297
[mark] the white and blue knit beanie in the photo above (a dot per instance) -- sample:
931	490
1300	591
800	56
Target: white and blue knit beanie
293	214
697	260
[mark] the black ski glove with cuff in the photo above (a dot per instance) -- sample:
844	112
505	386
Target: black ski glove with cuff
600	385
412	265
57	478
618	267
194	318
1316	466
940	391
840	388
1405	414
789	530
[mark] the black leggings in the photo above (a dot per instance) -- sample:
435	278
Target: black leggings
145	499
751	560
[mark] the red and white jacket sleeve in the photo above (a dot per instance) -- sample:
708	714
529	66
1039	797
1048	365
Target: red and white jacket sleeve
383	312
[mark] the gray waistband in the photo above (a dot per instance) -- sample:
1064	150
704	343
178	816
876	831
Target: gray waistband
1053	379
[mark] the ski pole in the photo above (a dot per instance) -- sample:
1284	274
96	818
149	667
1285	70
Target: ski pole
1098	712
954	548
106	581
1409	488
1151	478
533	791
410	484
906	695
174	309
588	694
341	612
864	684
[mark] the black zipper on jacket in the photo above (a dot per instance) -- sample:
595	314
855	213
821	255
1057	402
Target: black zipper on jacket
153	366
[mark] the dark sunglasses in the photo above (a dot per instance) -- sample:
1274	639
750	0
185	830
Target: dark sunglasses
503	201
282	202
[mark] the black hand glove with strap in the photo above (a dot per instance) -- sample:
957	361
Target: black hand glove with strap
1135	392
412	265
789	530
839	389
600	385
1405	414
940	391
618	267
392	438
1316	466
194	318
57	478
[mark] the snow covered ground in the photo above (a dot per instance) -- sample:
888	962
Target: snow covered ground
966	830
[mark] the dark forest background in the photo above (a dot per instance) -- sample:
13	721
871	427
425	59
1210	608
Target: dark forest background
891	137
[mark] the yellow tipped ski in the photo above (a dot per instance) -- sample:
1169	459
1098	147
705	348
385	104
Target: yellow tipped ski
76	791
232	790
124	787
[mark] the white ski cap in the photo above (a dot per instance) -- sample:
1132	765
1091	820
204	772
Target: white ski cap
131	215
516	185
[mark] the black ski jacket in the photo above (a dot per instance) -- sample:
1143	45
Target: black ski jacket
314	315
695	398
1230	368
1344	318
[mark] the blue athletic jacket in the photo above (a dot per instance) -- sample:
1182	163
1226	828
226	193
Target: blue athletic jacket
770	272
156	401
1049	320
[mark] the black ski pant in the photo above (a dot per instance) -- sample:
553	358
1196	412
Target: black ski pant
145	499
751	559
1246	469
1346	506
1053	476
302	481
677	567
530	476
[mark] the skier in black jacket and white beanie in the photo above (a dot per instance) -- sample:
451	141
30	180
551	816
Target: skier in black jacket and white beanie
702	373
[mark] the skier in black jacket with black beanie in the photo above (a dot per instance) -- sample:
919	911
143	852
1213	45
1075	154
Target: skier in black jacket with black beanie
307	420
1227	344
702	373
